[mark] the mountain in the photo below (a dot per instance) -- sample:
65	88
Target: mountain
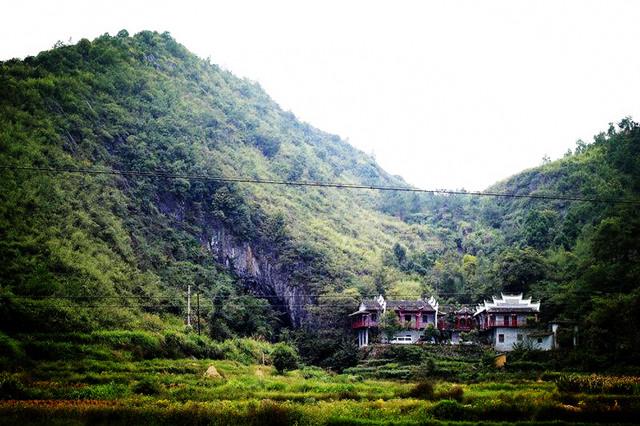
145	104
88	251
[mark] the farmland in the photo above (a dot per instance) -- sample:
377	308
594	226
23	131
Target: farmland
125	389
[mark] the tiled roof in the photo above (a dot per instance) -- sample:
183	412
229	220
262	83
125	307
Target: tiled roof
371	305
465	310
410	305
380	304
508	303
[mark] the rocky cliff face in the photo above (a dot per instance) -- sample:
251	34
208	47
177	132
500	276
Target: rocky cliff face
256	265
258	269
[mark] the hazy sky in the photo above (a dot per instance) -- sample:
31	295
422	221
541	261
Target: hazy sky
447	94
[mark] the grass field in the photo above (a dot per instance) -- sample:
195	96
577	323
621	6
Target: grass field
124	377
179	392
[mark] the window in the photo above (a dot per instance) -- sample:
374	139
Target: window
374	317
539	339
407	318
519	337
425	318
501	338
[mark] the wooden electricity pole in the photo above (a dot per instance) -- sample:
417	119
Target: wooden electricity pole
198	310
188	306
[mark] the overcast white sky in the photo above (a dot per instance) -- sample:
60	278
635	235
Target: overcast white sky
447	94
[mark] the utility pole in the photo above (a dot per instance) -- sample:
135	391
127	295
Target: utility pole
189	306
198	310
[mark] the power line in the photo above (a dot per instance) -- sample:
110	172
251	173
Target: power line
338	185
237	297
162	299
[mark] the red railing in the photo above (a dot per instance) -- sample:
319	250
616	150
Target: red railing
464	324
363	322
508	322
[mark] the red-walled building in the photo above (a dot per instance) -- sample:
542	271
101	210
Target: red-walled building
413	315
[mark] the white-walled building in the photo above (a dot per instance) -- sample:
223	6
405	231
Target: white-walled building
508	320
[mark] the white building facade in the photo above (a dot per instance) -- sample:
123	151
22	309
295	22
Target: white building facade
510	320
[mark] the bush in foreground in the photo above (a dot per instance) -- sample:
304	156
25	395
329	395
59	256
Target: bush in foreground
448	410
422	390
284	357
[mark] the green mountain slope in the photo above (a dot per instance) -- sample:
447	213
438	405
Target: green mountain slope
146	104
85	251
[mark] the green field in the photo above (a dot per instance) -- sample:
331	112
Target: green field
86	390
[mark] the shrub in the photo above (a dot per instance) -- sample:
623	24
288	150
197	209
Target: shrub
177	345
52	350
104	391
272	413
148	386
313	373
143	345
551	376
346	356
448	410
422	390
284	358
246	351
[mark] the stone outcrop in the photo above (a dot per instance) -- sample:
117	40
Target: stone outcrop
258	269
212	373
255	265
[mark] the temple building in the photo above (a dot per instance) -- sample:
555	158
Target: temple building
412	315
511	320
502	322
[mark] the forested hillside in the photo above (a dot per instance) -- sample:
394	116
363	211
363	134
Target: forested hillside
88	251
581	258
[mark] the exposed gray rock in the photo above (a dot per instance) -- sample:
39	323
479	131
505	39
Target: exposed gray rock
256	266
259	270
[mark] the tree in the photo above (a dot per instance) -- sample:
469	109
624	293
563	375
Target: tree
519	268
432	334
284	357
400	254
539	228
389	324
